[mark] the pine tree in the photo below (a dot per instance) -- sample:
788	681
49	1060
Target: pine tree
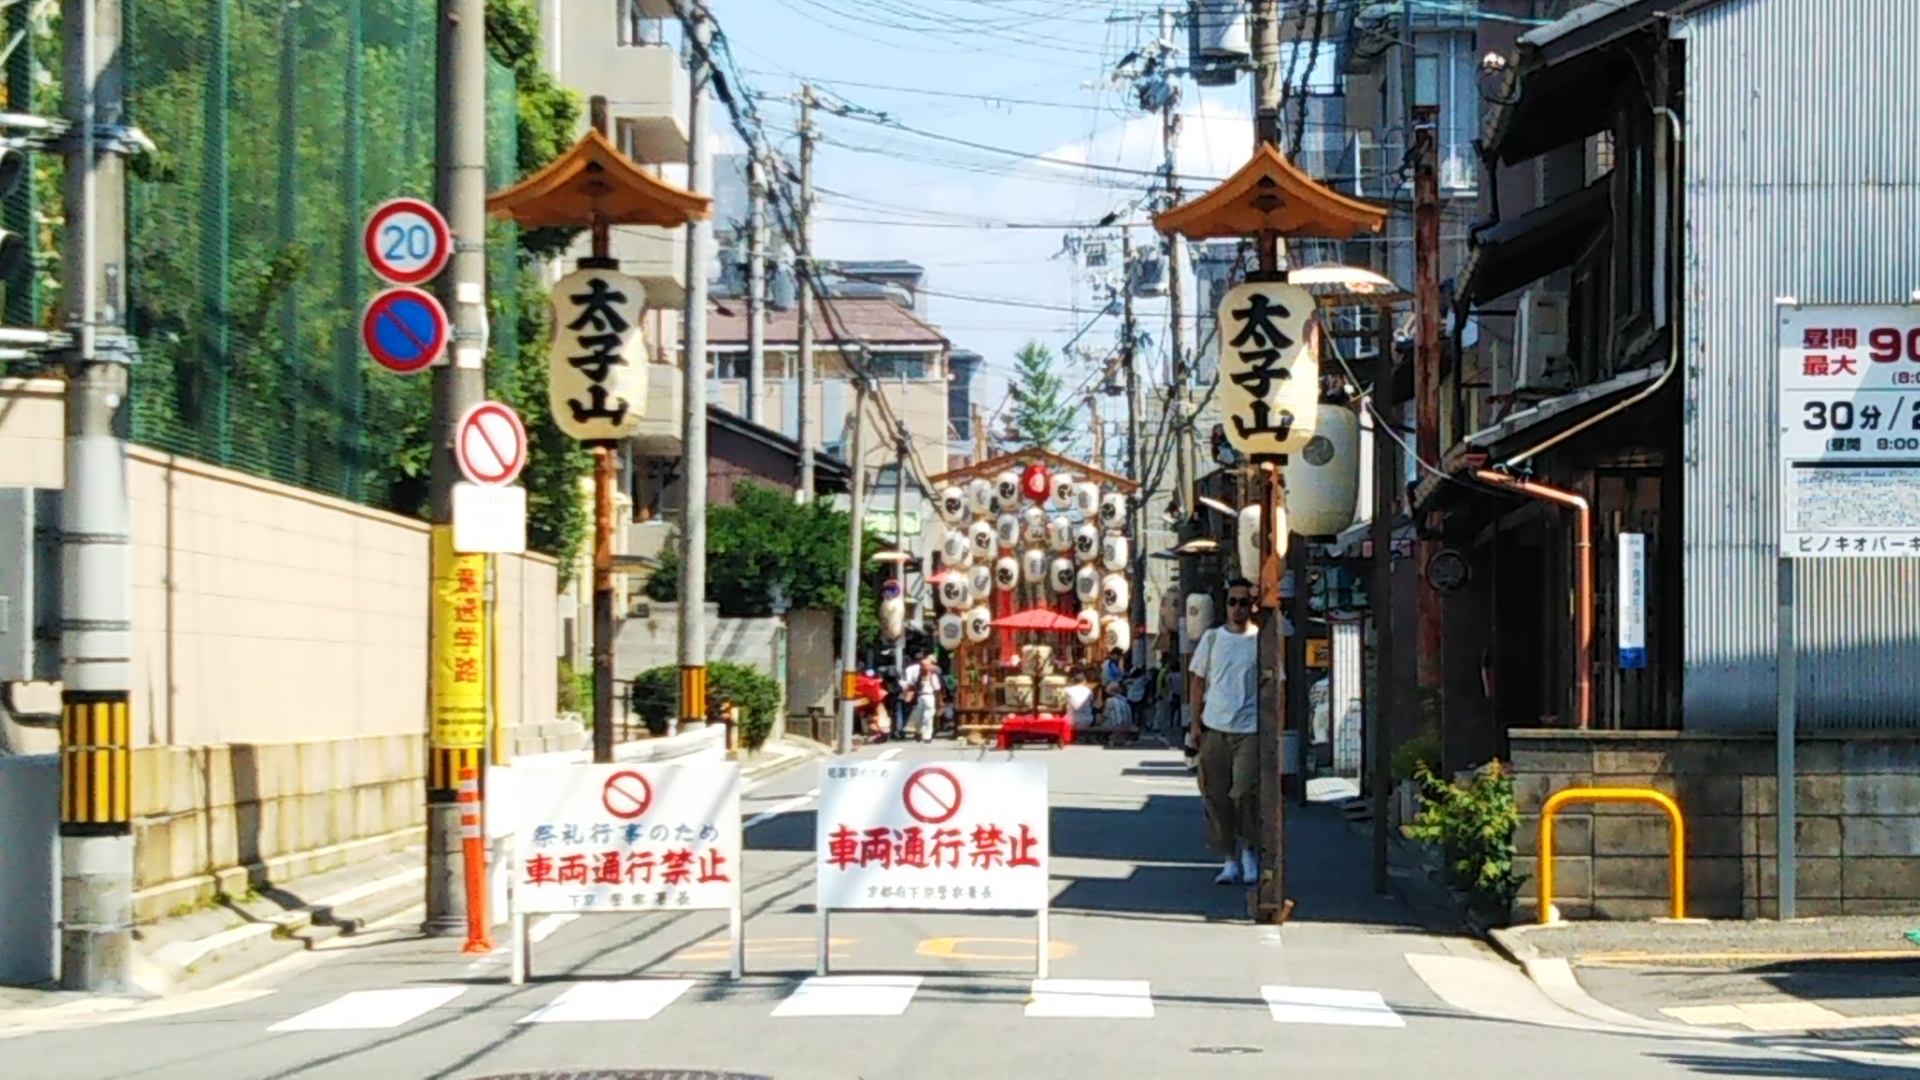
1040	415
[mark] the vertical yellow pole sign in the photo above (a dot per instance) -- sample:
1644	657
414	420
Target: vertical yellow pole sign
459	720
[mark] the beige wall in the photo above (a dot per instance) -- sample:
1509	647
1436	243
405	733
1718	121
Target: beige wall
32	433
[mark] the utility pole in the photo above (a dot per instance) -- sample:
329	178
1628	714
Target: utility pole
1386	508
1136	457
979	435
1426	382
1270	903
856	535
1099	433
756	285
460	191
900	448
1180	379
803	272
96	609
693	393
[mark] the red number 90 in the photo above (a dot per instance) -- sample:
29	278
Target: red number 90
1886	344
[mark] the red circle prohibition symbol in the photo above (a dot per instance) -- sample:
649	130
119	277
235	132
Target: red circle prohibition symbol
932	795
492	446
405	329
400	243
627	795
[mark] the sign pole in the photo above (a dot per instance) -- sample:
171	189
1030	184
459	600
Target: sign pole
1785	770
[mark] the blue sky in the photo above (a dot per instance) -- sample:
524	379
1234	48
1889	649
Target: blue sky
1028	76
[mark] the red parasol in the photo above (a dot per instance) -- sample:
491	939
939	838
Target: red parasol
1039	618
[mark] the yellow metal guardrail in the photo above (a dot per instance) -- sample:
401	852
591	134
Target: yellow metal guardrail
1603	794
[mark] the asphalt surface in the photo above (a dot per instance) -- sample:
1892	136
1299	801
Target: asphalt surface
1158	974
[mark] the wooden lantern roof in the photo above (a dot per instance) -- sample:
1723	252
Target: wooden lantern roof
1270	195
1035	455
594	180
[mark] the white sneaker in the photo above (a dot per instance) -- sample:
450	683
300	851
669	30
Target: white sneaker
1229	873
1249	867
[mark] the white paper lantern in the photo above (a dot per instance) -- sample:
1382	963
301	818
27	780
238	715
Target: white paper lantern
954	593
893	617
1060	535
979	625
1269	367
597	367
1086	543
1246	536
982	540
1060	575
955	548
1114	594
1033	525
1007	487
1199	615
1114	551
1062	499
953	631
1113	512
953	505
1086	585
1089	629
1033	566
980	497
1323	479
980	581
1169	610
1116	634
1007	531
1006	573
1086	499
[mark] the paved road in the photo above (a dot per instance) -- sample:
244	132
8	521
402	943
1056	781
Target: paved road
1156	973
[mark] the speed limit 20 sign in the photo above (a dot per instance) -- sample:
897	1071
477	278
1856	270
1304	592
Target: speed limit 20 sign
408	241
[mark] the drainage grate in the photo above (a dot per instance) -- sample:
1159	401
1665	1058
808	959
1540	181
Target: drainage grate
627	1074
1228	1051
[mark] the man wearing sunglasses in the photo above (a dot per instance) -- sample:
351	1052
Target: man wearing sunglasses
1225	690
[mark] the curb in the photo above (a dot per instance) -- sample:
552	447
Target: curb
767	768
1555	978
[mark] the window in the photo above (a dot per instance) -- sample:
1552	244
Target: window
730	365
635	28
901	366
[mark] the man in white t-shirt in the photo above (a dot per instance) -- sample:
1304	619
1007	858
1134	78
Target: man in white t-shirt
1225	693
921	684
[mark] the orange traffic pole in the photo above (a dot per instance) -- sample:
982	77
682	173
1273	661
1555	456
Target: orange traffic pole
474	835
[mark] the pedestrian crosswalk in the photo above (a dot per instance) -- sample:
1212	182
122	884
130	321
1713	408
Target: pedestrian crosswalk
639	1000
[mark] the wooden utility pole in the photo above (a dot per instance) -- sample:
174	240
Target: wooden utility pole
1426	384
1386	508
803	273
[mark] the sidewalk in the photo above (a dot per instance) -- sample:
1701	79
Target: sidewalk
1849	980
235	935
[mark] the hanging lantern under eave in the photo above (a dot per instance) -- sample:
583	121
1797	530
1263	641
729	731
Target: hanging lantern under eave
596	373
1269	367
1323	479
893	618
1246	535
1199	618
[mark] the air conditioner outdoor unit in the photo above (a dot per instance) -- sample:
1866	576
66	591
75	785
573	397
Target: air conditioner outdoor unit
1540	363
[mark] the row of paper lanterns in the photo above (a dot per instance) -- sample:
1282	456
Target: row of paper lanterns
1004	494
961	549
962	589
976	625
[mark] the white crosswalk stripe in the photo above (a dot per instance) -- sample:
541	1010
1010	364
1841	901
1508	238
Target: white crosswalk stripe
639	1000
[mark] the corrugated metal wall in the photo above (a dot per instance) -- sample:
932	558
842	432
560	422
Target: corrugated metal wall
1803	178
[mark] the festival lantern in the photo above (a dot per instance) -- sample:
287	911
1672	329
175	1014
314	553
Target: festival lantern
980	497
1114	594
1086	499
955	548
1116	634
1086	542
1033	525
1113	512
1089	629
1035	483
979	625
1033	566
982	541
952	631
1006	573
1007	531
1062	500
1060	535
1060	575
980	581
1007	486
954	593
1086	585
1114	552
953	505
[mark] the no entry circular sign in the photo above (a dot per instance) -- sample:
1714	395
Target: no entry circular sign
932	795
491	444
627	795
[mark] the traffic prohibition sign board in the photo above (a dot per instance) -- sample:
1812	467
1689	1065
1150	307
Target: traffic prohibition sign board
408	241
491	444
932	795
405	330
627	795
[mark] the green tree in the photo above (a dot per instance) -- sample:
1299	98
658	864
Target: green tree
1041	416
766	540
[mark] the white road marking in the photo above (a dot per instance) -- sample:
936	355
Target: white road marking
787	807
1107	999
1493	989
889	754
851	995
549	926
630	999
371	1010
1314	1005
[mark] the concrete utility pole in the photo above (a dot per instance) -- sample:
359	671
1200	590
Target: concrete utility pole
693	420
1426	383
1099	433
1136	458
901	446
96	608
1270	893
803	272
1180	379
460	191
856	534
756	286
1386	507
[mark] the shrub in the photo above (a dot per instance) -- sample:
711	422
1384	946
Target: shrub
1415	756
1472	823
574	691
656	697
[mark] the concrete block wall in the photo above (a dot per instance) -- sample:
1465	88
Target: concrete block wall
1857	822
